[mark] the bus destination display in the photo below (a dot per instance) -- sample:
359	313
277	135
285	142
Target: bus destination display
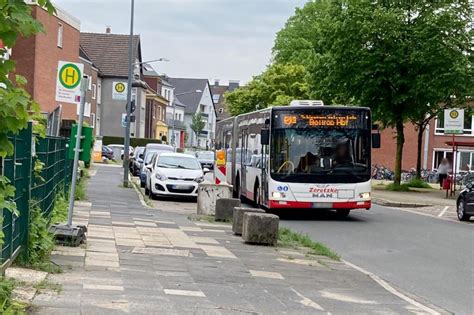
295	120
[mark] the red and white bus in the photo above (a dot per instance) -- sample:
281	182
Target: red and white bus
305	155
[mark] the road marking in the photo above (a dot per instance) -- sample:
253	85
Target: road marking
103	287
184	292
392	290
307	302
266	274
345	298
452	220
443	212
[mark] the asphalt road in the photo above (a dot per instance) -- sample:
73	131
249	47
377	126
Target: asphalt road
427	257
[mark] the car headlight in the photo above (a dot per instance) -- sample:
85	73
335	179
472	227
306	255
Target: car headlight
365	195
160	176
199	179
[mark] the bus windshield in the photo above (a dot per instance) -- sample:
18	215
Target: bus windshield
320	155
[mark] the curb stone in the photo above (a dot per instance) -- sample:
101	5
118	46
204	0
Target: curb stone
390	203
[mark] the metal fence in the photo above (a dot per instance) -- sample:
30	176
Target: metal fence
30	189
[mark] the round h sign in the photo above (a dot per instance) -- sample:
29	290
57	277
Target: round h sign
69	76
120	87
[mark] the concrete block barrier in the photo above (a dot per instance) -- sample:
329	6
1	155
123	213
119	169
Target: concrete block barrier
260	228
208	194
238	218
225	208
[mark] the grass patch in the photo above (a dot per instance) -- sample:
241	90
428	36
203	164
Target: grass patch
418	183
401	187
7	305
45	285
80	190
207	218
287	237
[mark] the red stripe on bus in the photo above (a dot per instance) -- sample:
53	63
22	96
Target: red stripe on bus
272	204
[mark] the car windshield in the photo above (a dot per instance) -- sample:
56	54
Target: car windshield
139	151
320	155
182	162
206	155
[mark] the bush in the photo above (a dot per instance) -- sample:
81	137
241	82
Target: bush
393	187
134	142
418	183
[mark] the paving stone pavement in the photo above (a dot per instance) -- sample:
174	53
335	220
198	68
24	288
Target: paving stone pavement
140	260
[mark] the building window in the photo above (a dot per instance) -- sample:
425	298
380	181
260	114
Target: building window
202	108
467	124
215	98
60	35
94	91
221	110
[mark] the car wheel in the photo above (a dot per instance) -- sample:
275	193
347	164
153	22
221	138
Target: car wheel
343	213
142	184
147	191
461	211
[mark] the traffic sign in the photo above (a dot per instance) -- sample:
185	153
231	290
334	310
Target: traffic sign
119	91
454	121
68	82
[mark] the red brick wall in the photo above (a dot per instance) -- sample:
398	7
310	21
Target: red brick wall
37	59
386	154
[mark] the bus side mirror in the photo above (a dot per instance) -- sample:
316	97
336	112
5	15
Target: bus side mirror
376	140
265	136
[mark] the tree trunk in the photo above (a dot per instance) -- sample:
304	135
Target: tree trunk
399	153
419	145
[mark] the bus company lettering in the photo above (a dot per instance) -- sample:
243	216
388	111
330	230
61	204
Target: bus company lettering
323	192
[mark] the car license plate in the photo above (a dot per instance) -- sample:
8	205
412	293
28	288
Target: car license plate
179	187
322	205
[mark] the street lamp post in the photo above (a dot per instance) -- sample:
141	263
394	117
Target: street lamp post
126	149
173	137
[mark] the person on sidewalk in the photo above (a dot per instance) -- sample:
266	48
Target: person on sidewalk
443	170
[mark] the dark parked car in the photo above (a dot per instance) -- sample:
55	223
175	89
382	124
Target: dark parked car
136	161
107	152
465	202
206	158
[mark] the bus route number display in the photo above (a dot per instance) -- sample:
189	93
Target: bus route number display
320	120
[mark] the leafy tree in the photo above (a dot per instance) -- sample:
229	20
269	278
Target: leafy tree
279	84
197	124
15	103
403	59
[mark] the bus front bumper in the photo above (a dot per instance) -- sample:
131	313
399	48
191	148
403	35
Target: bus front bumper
281	204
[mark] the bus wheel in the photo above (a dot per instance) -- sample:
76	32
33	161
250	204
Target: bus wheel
237	187
343	213
256	196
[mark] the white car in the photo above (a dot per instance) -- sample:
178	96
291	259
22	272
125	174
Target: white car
174	174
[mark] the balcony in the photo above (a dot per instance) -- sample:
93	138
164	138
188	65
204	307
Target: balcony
178	124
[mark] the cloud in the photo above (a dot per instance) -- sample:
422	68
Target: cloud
225	39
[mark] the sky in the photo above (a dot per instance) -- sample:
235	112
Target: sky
213	39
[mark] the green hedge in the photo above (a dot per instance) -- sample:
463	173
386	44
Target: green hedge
134	142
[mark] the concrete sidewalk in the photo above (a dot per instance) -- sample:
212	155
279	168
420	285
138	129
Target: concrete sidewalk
419	197
140	260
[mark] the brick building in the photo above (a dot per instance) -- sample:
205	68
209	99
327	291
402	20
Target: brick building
434	147
218	90
156	106
37	60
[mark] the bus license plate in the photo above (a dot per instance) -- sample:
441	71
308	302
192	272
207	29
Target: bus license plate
322	205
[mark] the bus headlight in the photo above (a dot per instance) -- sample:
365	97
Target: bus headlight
365	195
278	195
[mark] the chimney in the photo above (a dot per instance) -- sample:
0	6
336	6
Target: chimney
216	82
233	84
108	30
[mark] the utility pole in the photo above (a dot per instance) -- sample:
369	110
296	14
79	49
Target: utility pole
126	149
